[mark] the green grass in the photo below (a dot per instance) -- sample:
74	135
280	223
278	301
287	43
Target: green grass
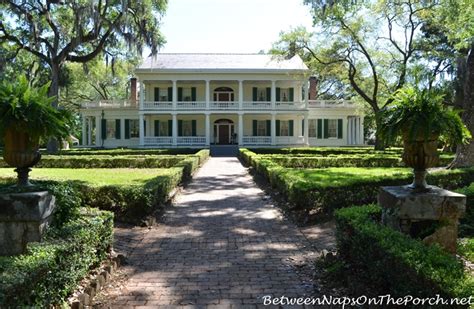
344	176
99	177
466	248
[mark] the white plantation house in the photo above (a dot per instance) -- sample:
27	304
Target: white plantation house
198	100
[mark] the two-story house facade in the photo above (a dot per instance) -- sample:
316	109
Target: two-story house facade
198	100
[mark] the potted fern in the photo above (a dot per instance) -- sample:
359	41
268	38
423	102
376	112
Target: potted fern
420	117
27	118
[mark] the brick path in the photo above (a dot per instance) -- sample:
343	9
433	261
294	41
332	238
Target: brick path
222	244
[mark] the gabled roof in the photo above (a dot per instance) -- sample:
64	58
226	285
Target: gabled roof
218	62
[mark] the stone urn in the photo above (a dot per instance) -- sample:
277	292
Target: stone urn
21	151
420	153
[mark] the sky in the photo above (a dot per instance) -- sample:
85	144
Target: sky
229	26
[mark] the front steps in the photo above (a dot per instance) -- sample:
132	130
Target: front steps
224	150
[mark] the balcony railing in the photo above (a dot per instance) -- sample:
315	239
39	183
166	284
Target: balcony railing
186	105
289	105
158	140
289	140
225	105
157	105
191	140
261	105
330	104
110	104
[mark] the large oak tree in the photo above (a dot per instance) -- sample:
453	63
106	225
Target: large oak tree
58	31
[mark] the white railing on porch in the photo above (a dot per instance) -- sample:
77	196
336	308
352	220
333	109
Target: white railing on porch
262	105
160	105
289	140
110	104
159	140
187	105
228	105
191	140
330	103
256	140
289	105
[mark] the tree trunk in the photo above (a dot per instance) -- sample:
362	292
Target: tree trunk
465	153
379	142
53	144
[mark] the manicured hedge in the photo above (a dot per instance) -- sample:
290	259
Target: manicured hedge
394	263
50	270
322	198
129	151
325	150
362	160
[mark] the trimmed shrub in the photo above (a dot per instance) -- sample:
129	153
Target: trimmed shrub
338	191
395	263
50	270
466	227
129	151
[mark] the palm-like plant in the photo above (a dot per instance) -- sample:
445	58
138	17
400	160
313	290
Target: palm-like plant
420	117
26	118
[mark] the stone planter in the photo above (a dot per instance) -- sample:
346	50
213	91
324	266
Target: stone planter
23	219
21	152
420	153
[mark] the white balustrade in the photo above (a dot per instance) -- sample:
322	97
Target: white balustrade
108	104
260	105
289	140
257	140
158	105
224	105
191	105
191	140
330	104
158	140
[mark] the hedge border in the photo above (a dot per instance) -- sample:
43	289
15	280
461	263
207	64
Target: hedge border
394	262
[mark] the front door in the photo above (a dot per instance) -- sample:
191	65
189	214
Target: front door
224	135
223	97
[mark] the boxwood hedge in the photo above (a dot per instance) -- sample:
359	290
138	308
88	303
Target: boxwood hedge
50	270
308	197
395	263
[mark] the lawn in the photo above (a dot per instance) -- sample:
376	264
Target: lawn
97	177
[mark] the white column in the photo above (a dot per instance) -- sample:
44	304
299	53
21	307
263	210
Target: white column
89	131
241	130
175	94
241	94
306	90
84	130
208	130
175	130
306	129
98	131
142	94
361	130
142	129
122	128
273	130
273	94
208	95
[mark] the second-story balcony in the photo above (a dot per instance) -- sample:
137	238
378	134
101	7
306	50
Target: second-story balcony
221	105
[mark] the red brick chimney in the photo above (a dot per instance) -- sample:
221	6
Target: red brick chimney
313	83
133	91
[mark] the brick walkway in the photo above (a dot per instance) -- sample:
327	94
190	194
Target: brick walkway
222	244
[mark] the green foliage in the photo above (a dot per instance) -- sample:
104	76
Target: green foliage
50	270
321	191
466	227
29	109
394	262
127	151
421	113
466	249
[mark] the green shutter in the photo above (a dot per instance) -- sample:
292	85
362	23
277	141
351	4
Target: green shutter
193	94
278	94
144	127
291	94
157	94
302	127
269	94
277	128
127	128
194	127
117	129
170	127
103	126
326	128
254	128
339	128
180	128
269	127
170	93
254	94
180	94
291	125
157	128
320	128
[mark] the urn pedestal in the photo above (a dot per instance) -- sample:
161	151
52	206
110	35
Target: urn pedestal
405	210
23	219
